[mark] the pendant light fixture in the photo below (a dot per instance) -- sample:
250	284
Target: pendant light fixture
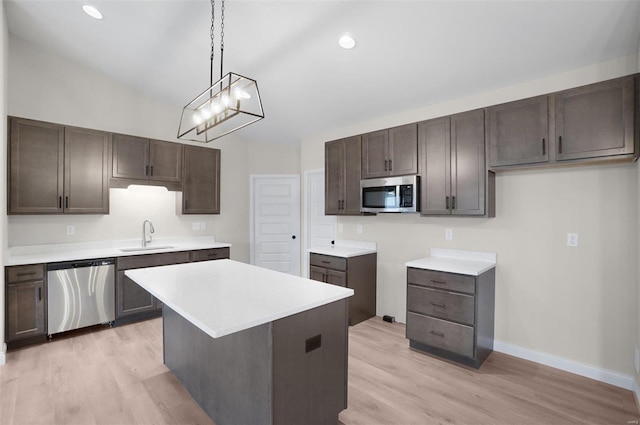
229	104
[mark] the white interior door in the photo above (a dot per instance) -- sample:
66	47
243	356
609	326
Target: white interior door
320	228
275	222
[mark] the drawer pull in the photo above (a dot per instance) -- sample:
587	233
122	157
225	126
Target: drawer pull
325	262
26	274
440	334
438	305
439	282
212	255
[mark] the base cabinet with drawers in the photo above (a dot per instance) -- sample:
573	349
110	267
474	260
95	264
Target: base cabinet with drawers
26	304
451	315
357	273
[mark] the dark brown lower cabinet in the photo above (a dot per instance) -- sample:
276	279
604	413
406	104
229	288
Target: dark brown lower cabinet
451	315
26	303
132	301
357	273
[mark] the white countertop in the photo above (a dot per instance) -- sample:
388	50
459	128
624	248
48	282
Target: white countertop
222	297
346	248
36	254
471	263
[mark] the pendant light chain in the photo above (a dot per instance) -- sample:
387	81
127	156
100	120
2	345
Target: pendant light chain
221	37
212	34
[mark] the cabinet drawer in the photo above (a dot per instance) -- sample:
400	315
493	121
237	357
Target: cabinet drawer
440	333
442	280
151	260
446	305
209	254
25	273
328	261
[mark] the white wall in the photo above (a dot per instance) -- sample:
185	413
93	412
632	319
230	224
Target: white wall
4	41
67	93
571	303
637	321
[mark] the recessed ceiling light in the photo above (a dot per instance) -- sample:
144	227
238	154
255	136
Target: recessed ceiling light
92	11
347	41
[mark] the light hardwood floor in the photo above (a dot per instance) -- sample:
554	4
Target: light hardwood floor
116	376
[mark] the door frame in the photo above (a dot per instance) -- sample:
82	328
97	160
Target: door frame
253	178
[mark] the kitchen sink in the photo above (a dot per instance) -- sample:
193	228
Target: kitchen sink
145	248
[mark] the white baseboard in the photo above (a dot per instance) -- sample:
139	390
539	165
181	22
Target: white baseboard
603	375
636	392
3	354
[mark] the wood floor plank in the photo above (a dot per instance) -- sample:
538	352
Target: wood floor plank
116	376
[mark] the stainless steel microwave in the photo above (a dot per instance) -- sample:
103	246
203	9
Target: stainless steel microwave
392	194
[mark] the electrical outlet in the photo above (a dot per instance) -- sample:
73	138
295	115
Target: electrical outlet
448	234
195	226
71	230
572	239
636	360
359	229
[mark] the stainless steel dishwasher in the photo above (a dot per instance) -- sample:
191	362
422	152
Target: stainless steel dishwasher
80	293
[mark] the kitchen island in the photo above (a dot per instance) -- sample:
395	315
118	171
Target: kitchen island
251	345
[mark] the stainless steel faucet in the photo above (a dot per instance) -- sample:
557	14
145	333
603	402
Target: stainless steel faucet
144	233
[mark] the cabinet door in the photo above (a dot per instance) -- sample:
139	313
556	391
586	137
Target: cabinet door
131	298
25	310
334	171
165	161
375	154
36	162
595	120
468	171
519	132
435	166
130	157
317	273
86	171
201	181
403	150
336	277
352	164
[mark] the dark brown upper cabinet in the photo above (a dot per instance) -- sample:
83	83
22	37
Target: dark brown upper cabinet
55	169
390	152
587	124
137	160
452	163
342	176
595	120
201	180
518	132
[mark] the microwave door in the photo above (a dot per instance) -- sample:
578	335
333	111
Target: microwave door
379	197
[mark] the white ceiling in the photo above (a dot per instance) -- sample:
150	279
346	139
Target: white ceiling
409	53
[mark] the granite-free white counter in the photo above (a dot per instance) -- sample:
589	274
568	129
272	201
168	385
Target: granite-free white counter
346	249
471	263
224	296
36	254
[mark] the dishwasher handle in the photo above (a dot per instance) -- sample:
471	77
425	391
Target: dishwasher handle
80	264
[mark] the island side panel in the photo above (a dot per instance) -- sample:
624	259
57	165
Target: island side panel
229	377
310	351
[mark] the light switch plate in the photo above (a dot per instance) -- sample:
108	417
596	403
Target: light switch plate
448	234
71	230
195	226
359	229
203	226
572	239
